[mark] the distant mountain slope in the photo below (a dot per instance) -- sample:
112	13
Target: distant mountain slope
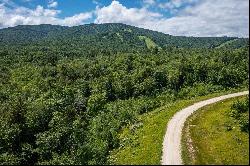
236	43
28	33
115	36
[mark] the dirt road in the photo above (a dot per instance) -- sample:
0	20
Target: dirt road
172	140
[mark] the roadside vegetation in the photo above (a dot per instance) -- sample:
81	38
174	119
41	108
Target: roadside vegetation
218	134
141	143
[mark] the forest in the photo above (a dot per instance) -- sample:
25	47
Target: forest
66	92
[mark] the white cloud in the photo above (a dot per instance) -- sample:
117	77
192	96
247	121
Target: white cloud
9	3
117	13
150	2
174	4
24	16
205	18
76	19
52	4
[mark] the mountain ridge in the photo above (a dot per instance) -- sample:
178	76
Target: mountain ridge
109	34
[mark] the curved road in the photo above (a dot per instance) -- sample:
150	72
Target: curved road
172	140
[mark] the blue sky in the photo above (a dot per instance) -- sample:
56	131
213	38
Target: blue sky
72	7
175	17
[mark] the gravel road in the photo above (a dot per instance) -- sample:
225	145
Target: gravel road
172	140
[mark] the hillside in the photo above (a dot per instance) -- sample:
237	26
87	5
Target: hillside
118	37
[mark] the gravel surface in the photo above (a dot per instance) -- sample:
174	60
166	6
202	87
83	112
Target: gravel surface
172	140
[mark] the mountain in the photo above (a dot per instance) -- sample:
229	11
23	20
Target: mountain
111	36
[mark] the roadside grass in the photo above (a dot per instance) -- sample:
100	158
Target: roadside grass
141	143
216	139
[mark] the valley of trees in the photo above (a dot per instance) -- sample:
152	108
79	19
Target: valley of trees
65	93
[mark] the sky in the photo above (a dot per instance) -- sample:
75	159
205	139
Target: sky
175	17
